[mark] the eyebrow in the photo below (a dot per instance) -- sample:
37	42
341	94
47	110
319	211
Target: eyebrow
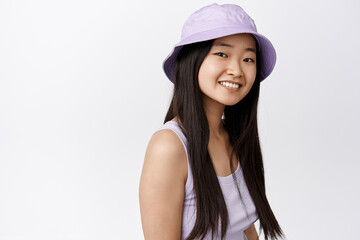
223	44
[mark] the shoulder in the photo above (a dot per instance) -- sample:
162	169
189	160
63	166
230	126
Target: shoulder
166	154
166	140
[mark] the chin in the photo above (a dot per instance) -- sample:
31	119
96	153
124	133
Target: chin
230	100
231	103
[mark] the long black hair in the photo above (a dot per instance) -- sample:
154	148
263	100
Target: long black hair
240	121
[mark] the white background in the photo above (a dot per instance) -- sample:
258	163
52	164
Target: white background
82	90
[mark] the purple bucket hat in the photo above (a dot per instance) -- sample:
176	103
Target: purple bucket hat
215	21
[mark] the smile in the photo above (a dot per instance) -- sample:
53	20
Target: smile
230	85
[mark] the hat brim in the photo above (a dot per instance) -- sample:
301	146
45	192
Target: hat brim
267	52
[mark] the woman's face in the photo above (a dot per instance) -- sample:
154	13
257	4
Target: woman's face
228	71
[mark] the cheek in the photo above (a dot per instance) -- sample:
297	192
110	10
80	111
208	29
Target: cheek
201	78
209	71
252	70
251	75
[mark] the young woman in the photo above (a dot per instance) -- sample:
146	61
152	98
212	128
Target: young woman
203	174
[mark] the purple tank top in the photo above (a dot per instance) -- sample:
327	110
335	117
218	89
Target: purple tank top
241	213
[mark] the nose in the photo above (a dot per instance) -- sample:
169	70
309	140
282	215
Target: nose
234	68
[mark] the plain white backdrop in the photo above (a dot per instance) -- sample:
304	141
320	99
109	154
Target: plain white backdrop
82	90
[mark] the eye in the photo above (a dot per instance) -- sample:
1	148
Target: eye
249	60
221	54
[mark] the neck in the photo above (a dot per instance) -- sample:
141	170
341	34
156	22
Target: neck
214	111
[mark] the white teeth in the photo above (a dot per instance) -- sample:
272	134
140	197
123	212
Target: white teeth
231	85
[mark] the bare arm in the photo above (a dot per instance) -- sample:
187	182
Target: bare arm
251	233
161	190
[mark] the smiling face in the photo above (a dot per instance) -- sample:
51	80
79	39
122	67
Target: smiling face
228	71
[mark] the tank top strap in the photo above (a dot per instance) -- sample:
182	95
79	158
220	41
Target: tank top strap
175	127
